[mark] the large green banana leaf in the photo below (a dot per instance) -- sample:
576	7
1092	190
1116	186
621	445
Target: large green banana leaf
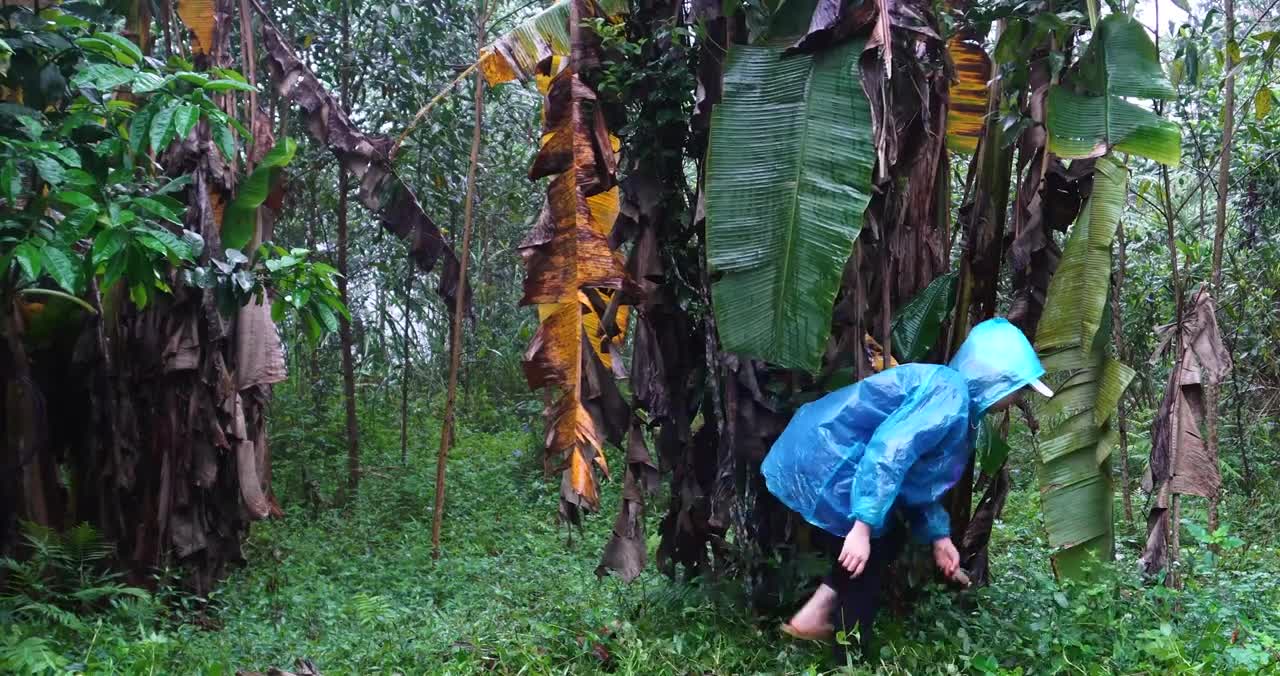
1089	116
919	323
788	179
1075	447
1080	285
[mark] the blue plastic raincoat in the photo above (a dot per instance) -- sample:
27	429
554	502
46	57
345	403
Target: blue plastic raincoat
901	437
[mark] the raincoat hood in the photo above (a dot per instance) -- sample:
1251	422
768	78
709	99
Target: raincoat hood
996	360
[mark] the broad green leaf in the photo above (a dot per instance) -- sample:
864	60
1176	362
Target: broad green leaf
1262	103
918	324
29	259
1193	63
10	182
1072	337
788	179
162	127
158	209
229	74
60	267
193	78
171	245
228	85
108	243
104	77
1079	290
73	198
990	449
223	139
1120	62
145	83
1132	63
96	46
1112	382
125	50
184	120
239	219
327	317
138	127
139	294
175	185
1089	126
78	223
49	169
67	156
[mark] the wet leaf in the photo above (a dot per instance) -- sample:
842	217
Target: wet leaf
60	266
919	323
1122	62
788	179
161	131
239	219
1077	439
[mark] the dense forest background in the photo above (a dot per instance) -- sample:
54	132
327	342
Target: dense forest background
343	575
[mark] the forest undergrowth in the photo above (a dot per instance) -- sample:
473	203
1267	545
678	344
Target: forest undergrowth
354	589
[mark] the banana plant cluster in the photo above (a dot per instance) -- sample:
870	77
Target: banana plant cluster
826	224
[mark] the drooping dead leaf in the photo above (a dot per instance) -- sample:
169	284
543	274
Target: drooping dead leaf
365	156
571	272
1181	462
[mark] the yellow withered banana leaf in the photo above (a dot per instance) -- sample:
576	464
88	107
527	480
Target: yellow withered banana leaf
198	16
967	109
568	262
517	55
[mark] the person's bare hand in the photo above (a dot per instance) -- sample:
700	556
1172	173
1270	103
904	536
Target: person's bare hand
946	556
857	549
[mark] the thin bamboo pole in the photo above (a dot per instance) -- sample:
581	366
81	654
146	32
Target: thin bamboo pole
1212	390
459	308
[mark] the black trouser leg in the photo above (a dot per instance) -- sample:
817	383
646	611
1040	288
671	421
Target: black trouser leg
858	598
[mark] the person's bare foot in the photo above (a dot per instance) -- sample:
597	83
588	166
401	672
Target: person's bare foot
814	619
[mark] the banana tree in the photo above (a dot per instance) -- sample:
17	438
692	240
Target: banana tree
1088	117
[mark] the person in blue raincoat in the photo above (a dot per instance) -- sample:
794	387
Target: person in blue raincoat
869	460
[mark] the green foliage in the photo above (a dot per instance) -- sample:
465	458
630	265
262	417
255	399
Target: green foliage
356	590
305	287
83	199
239	220
788	178
63	581
1089	116
1075	448
917	326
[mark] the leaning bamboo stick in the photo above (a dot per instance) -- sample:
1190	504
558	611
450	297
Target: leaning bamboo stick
455	342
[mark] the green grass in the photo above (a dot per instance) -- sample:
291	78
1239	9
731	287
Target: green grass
356	591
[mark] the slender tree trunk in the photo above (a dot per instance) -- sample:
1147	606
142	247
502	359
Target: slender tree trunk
1117	334
459	310
1219	235
404	373
344	326
1174	523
